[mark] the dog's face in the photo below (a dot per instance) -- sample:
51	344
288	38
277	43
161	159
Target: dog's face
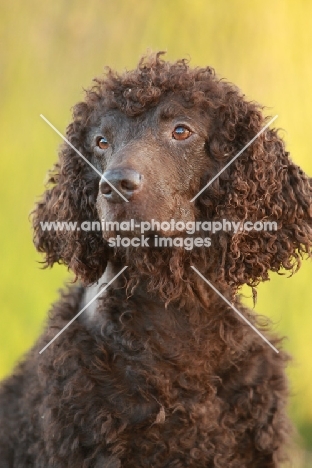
156	161
158	134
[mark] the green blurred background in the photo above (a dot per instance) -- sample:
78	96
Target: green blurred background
51	50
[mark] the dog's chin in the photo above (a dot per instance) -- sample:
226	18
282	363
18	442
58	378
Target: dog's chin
132	223
138	234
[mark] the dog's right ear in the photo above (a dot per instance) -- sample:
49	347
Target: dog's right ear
71	198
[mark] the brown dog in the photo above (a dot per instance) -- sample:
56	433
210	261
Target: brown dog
159	371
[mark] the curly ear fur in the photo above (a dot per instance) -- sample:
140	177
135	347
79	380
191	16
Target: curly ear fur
72	198
262	184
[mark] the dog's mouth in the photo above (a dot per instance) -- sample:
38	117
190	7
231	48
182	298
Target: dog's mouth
144	218
147	228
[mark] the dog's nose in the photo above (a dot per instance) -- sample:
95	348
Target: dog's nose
126	181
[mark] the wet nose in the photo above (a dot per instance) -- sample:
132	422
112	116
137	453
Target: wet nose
126	181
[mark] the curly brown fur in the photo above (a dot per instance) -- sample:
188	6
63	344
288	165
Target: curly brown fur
161	373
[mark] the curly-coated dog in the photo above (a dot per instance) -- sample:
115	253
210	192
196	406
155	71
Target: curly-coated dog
159	371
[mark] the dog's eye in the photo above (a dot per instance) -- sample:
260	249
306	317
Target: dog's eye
181	133
102	143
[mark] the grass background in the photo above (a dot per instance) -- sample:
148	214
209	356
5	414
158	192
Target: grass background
51	50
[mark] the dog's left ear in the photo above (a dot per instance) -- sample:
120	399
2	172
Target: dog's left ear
261	185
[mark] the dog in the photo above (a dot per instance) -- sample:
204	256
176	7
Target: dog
143	361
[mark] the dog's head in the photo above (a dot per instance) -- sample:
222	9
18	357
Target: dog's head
155	137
